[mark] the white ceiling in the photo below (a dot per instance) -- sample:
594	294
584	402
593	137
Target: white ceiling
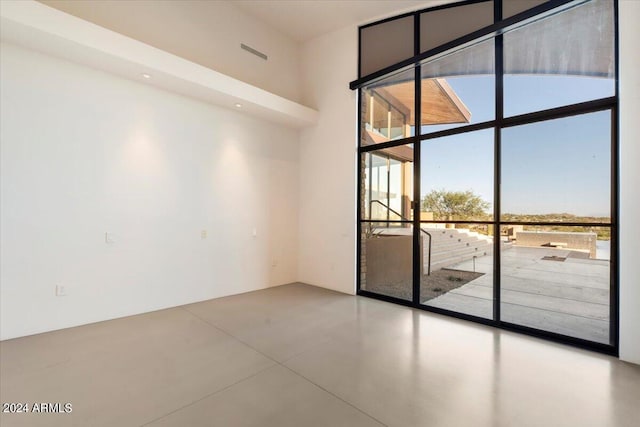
303	20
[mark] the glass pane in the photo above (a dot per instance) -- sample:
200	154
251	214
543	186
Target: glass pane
557	279
560	60
558	170
385	44
459	89
387	184
388	109
456	177
458	274
513	7
441	26
386	259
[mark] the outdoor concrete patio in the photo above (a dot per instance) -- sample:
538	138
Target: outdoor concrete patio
568	295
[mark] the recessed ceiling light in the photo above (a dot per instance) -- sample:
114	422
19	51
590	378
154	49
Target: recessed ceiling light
238	105
146	76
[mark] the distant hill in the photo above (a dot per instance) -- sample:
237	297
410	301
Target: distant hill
604	233
554	217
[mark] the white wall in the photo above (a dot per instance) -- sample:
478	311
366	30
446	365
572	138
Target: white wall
629	14
328	163
206	32
83	152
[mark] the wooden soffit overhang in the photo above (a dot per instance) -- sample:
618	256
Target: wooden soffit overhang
440	104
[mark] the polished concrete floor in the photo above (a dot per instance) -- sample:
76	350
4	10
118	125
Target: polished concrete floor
301	356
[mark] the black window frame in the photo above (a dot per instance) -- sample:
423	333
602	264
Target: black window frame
494	32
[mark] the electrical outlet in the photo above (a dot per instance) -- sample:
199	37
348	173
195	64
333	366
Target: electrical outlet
61	291
108	238
203	234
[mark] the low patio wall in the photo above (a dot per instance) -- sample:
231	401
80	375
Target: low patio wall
389	260
565	240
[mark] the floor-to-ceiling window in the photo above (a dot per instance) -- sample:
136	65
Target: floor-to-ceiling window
488	169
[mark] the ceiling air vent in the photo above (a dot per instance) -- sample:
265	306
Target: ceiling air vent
252	50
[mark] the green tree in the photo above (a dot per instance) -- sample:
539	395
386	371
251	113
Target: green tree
455	205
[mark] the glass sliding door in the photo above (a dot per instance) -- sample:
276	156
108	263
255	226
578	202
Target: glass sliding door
556	195
456	209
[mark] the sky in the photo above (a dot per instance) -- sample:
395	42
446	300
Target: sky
558	166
